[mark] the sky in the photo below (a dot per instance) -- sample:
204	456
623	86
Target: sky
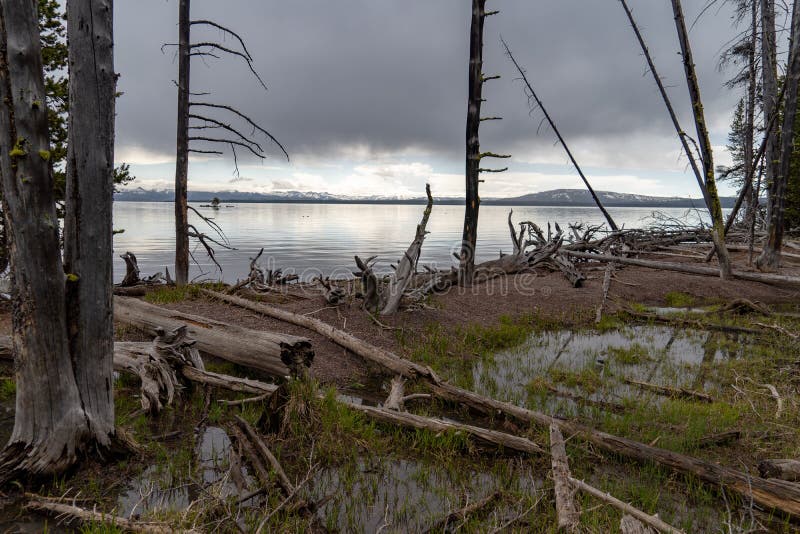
369	97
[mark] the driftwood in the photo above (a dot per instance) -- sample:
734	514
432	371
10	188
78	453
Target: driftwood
262	449
786	469
768	493
606	287
669	391
630	525
767	278
273	353
567	509
462	513
131	270
62	509
333	295
407	266
648	519
395	400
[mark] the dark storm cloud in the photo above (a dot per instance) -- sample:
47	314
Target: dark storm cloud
391	74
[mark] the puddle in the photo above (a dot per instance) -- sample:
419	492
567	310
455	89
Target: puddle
158	489
594	364
398	495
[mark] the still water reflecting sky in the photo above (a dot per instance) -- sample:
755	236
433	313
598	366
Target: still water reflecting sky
312	238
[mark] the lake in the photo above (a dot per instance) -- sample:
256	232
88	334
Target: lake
312	239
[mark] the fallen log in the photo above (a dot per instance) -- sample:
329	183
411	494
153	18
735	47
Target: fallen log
273	353
93	516
784	469
648	519
669	391
768	493
689	268
567	509
630	525
479	434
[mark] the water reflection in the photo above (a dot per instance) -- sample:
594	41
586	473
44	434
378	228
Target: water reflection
324	237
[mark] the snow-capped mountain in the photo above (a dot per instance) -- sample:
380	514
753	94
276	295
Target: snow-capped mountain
556	197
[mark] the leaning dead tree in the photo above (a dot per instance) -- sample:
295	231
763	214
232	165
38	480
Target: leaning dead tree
473	149
385	298
533	97
64	403
770	257
706	153
199	116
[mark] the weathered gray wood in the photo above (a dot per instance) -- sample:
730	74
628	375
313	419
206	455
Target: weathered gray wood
770	257
88	208
131	270
769	91
630	525
473	149
706	153
182	147
668	103
689	268
273	353
648	519
50	424
567	509
785	469
408	263
395	399
561	140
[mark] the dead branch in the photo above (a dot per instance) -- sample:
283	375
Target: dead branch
669	391
648	519
463	513
250	121
93	516
567	509
785	469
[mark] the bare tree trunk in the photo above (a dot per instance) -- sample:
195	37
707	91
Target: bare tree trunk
182	150
87	221
50	423
681	133
750	105
770	257
561	140
473	159
714	207
769	84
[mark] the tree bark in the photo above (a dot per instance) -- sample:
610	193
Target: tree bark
770	258
408	263
567	508
50	424
275	354
87	220
473	149
769	85
182	149
673	116
714	207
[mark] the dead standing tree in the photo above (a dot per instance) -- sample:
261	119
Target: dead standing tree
206	120
64	403
706	153
770	257
531	94
473	149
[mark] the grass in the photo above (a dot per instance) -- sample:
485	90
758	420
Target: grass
173	294
8	388
678	299
408	478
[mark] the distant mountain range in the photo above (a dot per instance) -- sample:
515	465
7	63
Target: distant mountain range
555	197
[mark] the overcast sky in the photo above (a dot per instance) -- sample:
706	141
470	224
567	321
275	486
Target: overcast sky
369	96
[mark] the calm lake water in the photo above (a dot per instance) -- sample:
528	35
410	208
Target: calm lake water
310	239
